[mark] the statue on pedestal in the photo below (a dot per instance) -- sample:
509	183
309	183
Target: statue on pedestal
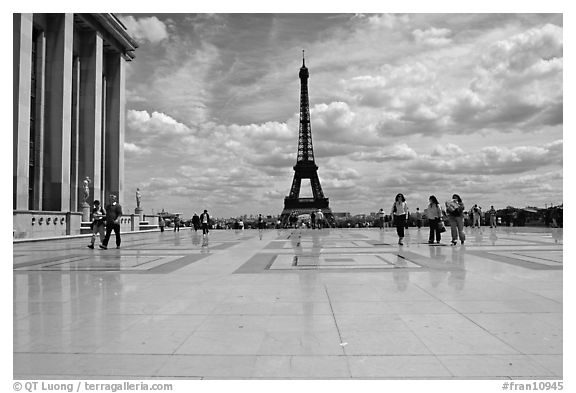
84	206
138	198
86	188
139	211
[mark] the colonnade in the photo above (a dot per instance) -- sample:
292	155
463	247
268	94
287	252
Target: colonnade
69	109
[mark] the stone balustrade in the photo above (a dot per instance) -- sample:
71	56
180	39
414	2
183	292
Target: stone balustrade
30	224
36	224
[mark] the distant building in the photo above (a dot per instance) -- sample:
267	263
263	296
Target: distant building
68	110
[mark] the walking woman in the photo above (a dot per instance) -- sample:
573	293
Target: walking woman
455	210
399	213
434	214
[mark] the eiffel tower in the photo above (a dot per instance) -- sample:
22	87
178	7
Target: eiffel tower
305	167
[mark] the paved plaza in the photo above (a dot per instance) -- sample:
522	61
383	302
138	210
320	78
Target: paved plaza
299	303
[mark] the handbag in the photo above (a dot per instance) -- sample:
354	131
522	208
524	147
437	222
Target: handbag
441	227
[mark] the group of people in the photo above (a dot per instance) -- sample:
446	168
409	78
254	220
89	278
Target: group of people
198	221
454	210
317	220
105	220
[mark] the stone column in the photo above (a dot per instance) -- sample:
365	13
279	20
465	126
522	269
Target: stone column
75	137
59	48
90	138
22	83
39	131
115	113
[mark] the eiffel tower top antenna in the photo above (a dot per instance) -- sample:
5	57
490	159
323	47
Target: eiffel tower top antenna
303	64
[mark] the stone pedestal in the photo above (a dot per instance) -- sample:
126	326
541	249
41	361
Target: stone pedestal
85	208
140	213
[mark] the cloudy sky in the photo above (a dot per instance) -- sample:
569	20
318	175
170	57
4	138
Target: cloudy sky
415	103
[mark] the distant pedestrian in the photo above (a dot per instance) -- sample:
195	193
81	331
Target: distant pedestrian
407	221
176	224
466	218
476	212
434	214
98	223
492	213
205	222
418	218
195	221
399	213
260	221
319	219
161	223
113	215
313	220
455	210
381	216
293	219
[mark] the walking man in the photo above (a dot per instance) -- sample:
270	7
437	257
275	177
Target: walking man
196	222
113	215
313	220
418	218
205	221
476	216
381	216
319	219
492	213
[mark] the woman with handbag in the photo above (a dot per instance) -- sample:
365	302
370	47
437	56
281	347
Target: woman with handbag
455	209
399	215
434	214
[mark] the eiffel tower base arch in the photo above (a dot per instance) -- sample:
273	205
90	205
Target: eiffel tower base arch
297	206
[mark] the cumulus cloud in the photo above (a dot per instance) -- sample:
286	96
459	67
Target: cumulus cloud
398	152
265	131
449	149
432	36
156	123
493	160
149	29
534	181
132	148
388	21
332	121
518	83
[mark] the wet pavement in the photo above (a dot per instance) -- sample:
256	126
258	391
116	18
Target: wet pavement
291	304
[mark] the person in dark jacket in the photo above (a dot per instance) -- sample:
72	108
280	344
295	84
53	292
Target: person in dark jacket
113	215
434	215
399	213
196	222
205	221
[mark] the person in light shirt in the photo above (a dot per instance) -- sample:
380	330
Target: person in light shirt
399	214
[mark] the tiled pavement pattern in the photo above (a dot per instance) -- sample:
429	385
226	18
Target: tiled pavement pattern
291	304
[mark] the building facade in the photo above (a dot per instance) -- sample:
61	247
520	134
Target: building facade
68	109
